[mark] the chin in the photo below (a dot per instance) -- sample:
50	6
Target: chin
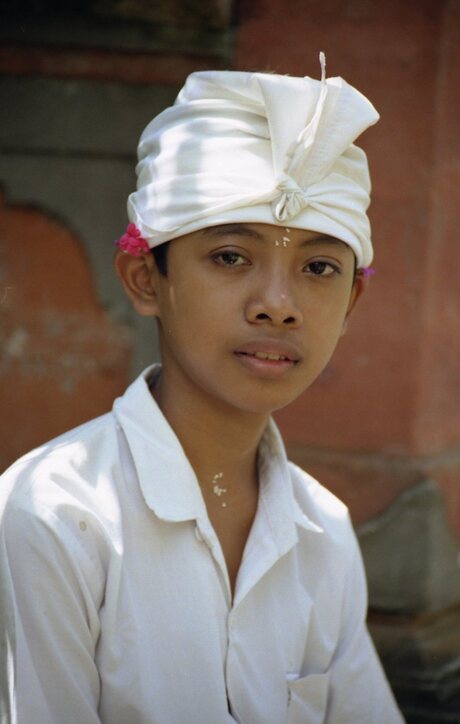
265	404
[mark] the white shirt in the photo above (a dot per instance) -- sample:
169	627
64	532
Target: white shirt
115	598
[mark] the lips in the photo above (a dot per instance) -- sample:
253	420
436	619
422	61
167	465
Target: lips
270	355
270	350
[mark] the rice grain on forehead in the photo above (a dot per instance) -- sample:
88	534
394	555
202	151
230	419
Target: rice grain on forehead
260	148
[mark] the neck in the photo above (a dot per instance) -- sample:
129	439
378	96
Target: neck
216	439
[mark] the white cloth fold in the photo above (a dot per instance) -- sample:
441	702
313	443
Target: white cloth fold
292	200
256	147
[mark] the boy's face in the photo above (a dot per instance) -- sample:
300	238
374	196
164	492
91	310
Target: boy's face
247	321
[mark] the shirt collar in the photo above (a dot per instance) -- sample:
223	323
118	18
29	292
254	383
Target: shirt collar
276	485
168	482
166	478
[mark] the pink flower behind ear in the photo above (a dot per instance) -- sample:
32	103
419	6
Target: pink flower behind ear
367	272
132	242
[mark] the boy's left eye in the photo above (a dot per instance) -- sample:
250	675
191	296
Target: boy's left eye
229	258
322	268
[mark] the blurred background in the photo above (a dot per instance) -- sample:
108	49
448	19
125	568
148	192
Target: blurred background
381	426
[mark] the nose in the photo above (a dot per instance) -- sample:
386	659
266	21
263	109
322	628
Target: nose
274	304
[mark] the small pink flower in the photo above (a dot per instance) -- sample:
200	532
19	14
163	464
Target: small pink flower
367	272
132	242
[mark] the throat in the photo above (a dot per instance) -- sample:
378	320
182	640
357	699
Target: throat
222	449
231	510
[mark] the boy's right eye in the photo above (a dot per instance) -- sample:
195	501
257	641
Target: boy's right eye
227	257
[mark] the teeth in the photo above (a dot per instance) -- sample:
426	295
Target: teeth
269	355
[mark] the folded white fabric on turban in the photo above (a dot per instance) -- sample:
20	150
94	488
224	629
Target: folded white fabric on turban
256	147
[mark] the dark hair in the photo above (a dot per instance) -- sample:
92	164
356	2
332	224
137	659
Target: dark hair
160	254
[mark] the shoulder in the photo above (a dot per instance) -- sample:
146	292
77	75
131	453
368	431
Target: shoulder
65	485
321	507
335	548
72	446
77	453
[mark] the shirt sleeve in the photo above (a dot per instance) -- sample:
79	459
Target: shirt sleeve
50	591
359	690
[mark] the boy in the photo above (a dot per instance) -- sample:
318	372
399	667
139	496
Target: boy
165	564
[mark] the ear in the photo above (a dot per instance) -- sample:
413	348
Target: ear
360	285
138	275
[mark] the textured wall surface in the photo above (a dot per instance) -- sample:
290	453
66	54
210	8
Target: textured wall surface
63	358
66	168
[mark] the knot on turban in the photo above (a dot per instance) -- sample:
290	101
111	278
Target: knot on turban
291	201
256	147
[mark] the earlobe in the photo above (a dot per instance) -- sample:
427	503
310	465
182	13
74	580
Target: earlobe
137	275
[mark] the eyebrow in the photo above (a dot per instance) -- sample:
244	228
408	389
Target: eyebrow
324	239
243	230
237	229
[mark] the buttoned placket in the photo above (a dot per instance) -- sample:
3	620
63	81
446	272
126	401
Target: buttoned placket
206	535
260	547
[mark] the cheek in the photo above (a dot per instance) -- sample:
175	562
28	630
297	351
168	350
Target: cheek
325	321
193	321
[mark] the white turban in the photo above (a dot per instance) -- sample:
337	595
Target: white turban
261	148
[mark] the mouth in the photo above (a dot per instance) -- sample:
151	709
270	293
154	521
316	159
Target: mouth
272	356
271	359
